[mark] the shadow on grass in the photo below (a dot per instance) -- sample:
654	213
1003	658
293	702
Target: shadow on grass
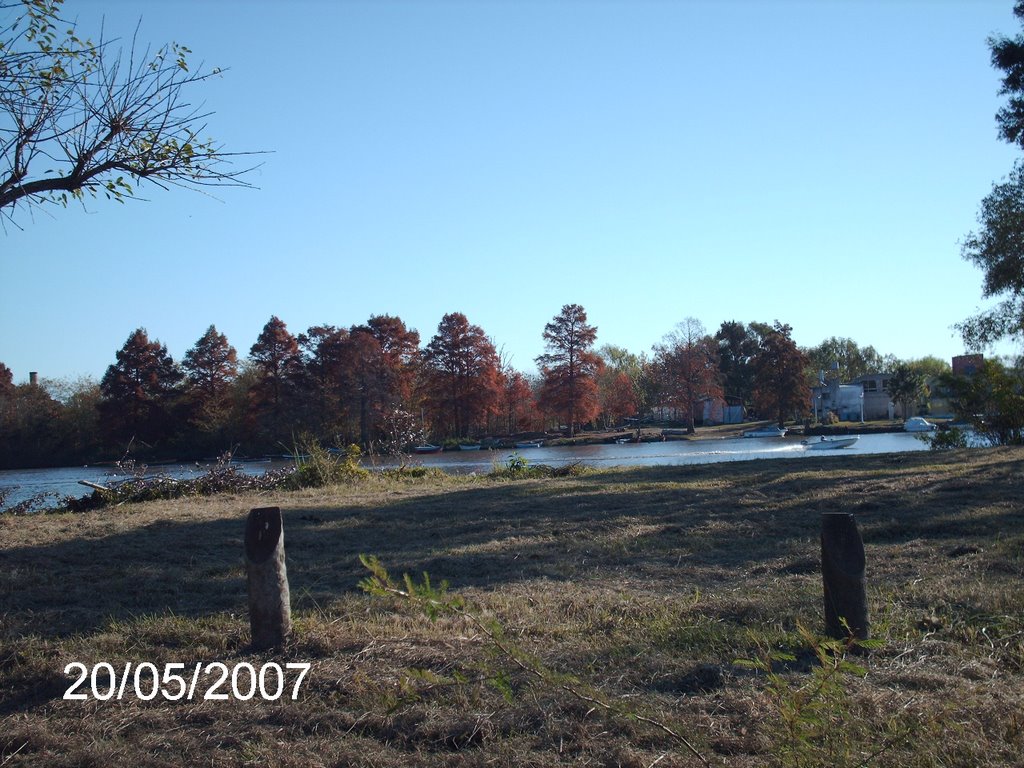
696	526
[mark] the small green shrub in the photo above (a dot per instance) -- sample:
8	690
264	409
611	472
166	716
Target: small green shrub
814	723
517	467
952	439
317	467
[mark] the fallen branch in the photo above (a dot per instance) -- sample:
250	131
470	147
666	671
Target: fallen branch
94	486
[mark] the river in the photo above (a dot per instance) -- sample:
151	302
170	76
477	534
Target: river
20	484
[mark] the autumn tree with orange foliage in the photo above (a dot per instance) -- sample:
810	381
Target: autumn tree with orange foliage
400	348
688	365
569	368
323	356
278	372
516	406
381	360
460	377
210	367
140	393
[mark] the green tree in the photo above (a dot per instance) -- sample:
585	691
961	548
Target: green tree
997	247
78	116
1008	55
930	366
29	426
907	387
6	396
780	384
79	426
852	360
737	346
620	384
570	366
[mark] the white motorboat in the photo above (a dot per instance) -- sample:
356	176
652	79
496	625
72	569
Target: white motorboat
919	424
830	443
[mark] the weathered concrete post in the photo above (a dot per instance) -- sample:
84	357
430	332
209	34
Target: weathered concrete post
270	612
842	572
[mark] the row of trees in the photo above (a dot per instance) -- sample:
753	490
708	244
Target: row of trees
373	383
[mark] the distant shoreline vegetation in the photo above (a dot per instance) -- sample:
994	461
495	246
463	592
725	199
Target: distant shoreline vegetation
376	386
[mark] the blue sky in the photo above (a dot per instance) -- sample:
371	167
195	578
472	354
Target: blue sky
811	162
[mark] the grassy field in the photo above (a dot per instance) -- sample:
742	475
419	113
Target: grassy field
592	620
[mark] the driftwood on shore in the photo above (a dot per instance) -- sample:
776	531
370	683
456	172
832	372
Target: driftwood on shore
94	486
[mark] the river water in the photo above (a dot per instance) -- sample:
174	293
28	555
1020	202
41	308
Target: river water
25	483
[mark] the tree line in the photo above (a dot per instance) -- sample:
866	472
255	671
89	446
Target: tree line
376	385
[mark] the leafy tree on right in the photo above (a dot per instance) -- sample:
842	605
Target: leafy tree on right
997	248
992	401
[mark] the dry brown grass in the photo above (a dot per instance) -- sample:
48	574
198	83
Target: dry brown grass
645	584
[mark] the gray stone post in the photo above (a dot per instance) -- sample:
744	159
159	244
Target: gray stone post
270	613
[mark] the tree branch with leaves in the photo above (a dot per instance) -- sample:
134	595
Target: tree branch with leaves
80	117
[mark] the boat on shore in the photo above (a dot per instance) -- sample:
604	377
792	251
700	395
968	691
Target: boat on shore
830	443
766	431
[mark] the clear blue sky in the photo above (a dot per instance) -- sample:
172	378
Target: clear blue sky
811	162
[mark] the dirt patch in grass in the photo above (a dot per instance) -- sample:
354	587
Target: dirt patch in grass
644	585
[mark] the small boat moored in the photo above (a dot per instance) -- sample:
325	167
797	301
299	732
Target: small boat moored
465	447
830	443
530	444
428	448
919	424
766	431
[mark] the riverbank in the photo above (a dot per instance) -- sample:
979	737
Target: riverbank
644	585
717	432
